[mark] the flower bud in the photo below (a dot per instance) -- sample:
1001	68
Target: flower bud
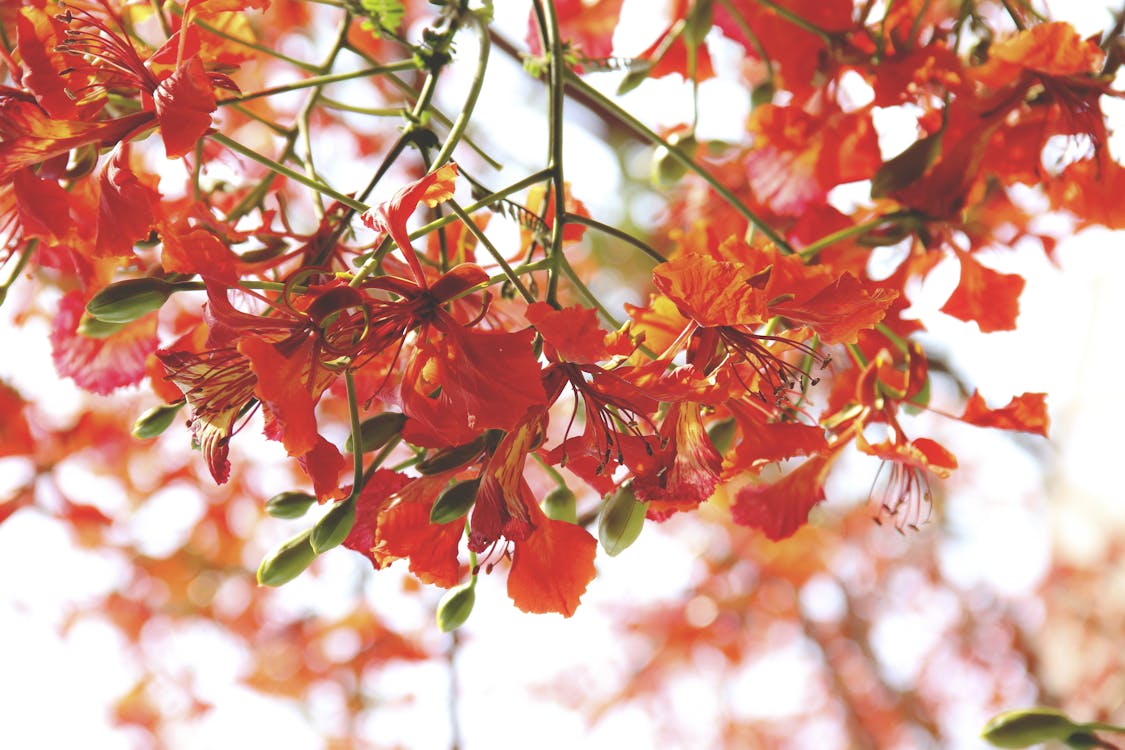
1029	726
762	94
92	328
667	169
621	521
456	606
156	420
288	561
289	504
698	22
334	526
125	301
451	458
561	505
377	431
455	501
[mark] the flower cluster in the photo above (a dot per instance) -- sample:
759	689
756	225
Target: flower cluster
493	404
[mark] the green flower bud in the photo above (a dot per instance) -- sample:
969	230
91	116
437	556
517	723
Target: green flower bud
1084	741
377	431
456	606
125	301
1029	726
666	169
288	561
637	74
698	22
156	420
621	521
92	328
334	526
289	504
455	501
561	505
762	94
451	458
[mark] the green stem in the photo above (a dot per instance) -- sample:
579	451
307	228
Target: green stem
457	129
285	171
1097	726
755	42
21	263
1015	16
435	113
509	274
369	266
811	250
374	112
797	21
258	47
618	233
322	81
585	292
357	435
644	131
485	202
305	115
381	458
556	87
252	115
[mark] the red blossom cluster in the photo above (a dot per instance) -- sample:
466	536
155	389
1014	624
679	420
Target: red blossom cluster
473	381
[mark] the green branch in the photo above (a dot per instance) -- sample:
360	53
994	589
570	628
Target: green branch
643	130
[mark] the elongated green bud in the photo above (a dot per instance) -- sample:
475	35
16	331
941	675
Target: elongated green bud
451	458
698	22
621	521
456	606
334	526
377	431
667	170
763	94
561	505
288	561
156	420
455	501
289	504
92	328
125	301
1029	726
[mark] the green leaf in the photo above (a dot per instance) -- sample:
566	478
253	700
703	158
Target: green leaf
387	14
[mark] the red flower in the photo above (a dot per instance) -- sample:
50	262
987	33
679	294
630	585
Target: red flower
390	218
687	468
100	365
779	509
219	387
